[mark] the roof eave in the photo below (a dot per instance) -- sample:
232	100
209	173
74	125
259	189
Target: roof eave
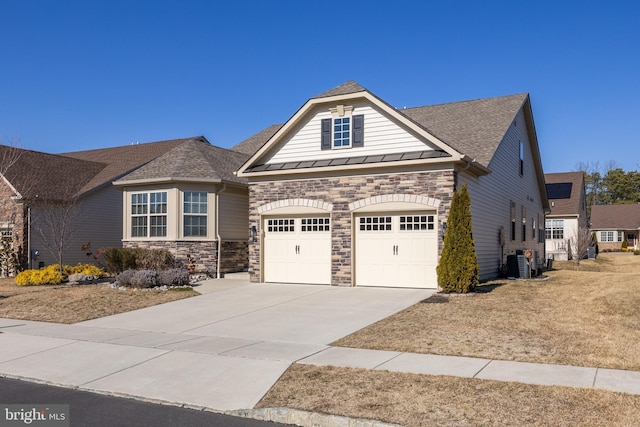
153	181
386	165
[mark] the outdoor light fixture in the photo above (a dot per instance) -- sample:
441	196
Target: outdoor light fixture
444	229
253	232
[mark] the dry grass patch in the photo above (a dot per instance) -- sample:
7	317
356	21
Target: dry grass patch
421	400
71	304
589	317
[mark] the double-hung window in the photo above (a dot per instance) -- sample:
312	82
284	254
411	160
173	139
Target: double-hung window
149	214
554	229
195	214
342	130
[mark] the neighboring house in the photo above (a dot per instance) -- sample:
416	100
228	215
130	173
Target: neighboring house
189	202
35	184
351	191
615	223
567	196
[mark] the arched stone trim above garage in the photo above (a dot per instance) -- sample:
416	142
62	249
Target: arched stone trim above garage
306	204
394	200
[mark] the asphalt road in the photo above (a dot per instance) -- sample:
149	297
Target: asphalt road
96	410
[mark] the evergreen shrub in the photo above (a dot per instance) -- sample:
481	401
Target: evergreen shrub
458	269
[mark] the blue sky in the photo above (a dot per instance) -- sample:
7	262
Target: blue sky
78	75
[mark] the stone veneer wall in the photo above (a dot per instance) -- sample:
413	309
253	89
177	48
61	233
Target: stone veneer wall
15	214
338	193
234	254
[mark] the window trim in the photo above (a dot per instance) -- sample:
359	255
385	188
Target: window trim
192	214
154	215
521	158
513	220
554	229
355	132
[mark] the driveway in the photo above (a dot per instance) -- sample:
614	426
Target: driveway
222	350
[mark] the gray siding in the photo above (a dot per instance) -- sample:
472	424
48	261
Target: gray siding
234	214
492	194
100	222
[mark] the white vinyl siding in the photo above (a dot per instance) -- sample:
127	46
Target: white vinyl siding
381	136
492	194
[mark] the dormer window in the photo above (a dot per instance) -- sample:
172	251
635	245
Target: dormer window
343	129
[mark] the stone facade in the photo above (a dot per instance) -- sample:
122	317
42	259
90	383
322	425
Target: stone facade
205	254
340	196
13	222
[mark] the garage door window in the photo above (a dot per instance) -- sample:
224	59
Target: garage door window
314	224
280	225
417	223
375	223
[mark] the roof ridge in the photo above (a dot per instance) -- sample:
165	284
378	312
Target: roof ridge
465	101
347	87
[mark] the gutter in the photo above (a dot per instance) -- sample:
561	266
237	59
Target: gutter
224	188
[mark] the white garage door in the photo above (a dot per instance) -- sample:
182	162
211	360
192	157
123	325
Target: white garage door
297	249
399	250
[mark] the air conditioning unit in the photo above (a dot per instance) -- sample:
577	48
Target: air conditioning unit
523	267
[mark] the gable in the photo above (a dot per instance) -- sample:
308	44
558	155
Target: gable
566	192
381	136
465	134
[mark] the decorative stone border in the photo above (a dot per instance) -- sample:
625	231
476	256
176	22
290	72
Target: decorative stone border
388	198
309	203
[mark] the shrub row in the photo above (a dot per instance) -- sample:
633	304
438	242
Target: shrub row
151	278
51	274
118	260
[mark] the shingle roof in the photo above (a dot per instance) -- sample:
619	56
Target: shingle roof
615	217
193	160
252	144
571	205
48	176
343	89
121	160
474	128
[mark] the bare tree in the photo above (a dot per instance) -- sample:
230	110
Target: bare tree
580	243
56	222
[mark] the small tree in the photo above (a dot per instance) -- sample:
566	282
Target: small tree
581	242
594	239
458	267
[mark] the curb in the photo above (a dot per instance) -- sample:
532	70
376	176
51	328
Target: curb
305	418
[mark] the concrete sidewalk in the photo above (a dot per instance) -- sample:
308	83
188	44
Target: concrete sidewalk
486	369
222	350
225	349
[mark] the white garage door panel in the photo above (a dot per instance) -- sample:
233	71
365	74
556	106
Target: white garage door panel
397	250
297	250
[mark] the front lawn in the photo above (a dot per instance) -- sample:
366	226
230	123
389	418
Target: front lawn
589	317
75	303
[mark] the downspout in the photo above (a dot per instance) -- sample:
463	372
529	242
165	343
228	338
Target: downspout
224	187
